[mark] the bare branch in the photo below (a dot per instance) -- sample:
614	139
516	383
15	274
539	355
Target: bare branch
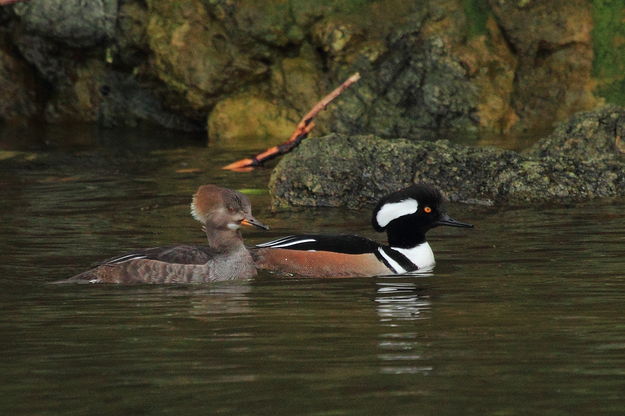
301	132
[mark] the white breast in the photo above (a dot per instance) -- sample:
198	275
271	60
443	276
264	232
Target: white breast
420	255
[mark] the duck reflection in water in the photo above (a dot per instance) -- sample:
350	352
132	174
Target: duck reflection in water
399	304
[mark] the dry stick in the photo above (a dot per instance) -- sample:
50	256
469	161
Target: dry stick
5	2
303	128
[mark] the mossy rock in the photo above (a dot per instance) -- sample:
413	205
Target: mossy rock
250	117
339	170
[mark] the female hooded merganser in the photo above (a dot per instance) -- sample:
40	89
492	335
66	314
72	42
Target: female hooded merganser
405	215
222	212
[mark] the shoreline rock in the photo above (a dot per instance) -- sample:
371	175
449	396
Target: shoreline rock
463	67
579	161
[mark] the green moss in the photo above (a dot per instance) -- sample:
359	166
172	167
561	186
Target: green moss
477	12
253	191
613	92
344	6
609	48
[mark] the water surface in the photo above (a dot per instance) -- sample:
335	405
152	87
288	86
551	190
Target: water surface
523	314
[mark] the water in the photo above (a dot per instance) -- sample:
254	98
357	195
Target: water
523	314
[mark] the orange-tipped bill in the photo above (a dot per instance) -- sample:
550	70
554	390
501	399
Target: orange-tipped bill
253	222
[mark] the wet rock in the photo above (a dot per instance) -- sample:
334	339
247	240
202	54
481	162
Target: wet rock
491	66
20	100
111	98
429	69
91	64
75	23
555	57
271	113
131	49
127	102
210	52
336	37
352	171
416	90
297	83
6	13
195	56
590	135
248	116
338	170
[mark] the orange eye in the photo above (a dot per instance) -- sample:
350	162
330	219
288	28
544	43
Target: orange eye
427	210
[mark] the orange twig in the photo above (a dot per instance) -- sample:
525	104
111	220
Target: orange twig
5	2
301	132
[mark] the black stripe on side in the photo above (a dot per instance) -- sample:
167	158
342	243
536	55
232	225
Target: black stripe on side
383	260
402	260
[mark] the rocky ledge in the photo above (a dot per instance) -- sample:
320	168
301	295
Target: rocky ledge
582	159
244	69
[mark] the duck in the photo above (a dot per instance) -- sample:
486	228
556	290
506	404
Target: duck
405	215
222	212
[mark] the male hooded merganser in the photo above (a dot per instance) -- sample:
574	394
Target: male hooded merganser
405	215
222	212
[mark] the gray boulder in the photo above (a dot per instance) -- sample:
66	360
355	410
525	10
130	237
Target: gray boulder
579	161
77	23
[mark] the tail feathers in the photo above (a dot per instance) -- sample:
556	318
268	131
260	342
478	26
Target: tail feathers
85	277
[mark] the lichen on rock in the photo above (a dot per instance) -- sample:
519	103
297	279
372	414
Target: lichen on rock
192	53
19	100
429	69
589	135
249	116
74	22
352	171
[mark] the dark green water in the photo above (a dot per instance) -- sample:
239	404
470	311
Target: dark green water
523	315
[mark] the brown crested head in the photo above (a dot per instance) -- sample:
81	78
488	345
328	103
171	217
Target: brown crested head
221	208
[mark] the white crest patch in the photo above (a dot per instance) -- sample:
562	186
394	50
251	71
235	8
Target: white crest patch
195	213
393	210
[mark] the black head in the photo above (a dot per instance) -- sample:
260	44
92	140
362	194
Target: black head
408	214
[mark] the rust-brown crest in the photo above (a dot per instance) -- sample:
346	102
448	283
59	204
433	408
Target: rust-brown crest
205	199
